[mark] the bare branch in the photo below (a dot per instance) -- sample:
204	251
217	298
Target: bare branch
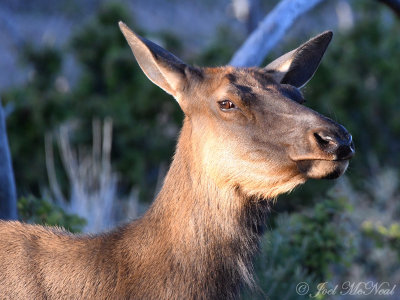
270	31
51	170
92	181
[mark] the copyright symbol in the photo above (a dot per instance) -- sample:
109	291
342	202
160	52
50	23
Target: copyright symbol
302	288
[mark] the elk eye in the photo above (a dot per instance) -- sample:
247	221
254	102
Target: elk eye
226	105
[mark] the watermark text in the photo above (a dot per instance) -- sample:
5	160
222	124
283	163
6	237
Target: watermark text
362	288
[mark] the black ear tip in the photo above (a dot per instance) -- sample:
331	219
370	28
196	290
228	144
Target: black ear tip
321	40
326	35
329	33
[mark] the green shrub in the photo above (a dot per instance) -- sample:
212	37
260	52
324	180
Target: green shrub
384	235
40	211
304	247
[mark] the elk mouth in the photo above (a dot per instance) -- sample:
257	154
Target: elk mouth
322	168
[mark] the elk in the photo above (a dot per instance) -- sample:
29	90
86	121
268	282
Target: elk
245	139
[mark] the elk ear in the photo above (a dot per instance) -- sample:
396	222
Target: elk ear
299	65
160	66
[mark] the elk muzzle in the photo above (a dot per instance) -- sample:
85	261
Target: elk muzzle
327	153
340	146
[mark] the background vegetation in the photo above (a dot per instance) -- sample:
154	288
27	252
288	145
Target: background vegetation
324	231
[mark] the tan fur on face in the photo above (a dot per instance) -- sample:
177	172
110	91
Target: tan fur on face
229	164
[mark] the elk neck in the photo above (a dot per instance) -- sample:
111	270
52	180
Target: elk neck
211	231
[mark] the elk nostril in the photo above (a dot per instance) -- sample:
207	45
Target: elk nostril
323	139
339	145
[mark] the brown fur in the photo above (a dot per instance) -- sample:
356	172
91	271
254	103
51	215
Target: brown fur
199	236
194	232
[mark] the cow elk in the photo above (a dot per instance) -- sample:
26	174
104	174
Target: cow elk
246	138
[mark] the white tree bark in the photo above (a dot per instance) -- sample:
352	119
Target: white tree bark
270	31
8	200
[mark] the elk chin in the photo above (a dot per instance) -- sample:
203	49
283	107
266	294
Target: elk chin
322	169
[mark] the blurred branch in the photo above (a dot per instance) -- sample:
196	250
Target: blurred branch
92	182
248	12
393	4
254	15
270	31
51	170
8	198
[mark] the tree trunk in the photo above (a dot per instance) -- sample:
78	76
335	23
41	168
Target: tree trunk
8	200
270	31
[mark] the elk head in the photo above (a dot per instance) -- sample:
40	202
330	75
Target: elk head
248	127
